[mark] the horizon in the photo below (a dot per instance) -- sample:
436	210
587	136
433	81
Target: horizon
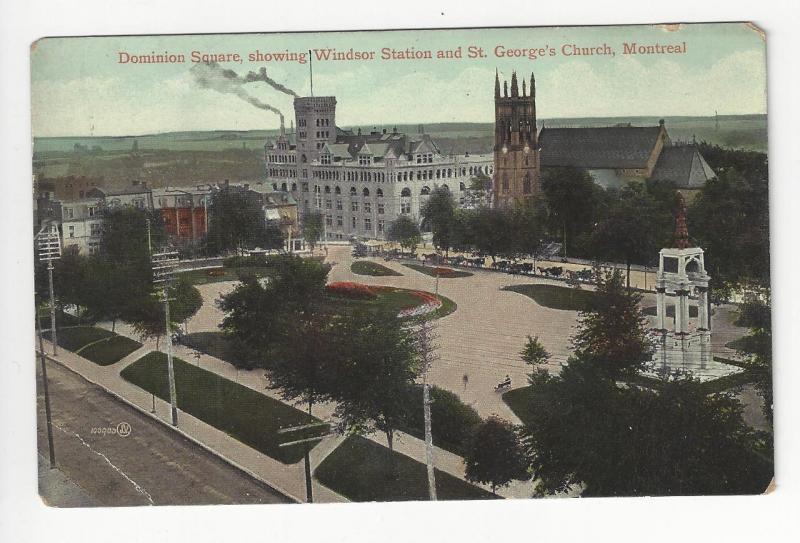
81	86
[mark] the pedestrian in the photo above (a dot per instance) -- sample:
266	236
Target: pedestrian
466	380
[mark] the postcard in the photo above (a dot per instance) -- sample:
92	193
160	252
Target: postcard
457	264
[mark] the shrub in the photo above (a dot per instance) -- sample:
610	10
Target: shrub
452	421
252	261
348	289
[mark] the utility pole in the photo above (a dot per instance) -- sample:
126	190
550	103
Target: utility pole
163	267
426	338
306	450
49	244
47	415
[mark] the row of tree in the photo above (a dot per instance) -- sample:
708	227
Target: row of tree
729	218
116	282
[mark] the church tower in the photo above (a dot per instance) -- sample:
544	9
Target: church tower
516	146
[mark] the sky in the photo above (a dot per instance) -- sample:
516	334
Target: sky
79	87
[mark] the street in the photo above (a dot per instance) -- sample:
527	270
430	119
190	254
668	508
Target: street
109	454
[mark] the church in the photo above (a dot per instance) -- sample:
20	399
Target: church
613	155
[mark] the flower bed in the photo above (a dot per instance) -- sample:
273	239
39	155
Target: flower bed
348	289
429	303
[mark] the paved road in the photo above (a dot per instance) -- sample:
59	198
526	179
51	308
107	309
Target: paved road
151	466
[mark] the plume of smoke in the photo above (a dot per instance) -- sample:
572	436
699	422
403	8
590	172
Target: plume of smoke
262	76
212	76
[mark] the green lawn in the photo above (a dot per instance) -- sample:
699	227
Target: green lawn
395	299
109	351
216	275
72	339
366	267
243	413
430	270
360	469
217	345
555	297
520	402
62	319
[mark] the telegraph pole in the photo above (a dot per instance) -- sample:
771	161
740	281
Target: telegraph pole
49	250
47	415
305	442
427	336
163	266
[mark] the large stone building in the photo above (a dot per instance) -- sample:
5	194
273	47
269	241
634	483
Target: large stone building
516	150
617	155
362	182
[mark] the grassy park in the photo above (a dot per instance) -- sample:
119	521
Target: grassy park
444	273
394	299
217	275
218	346
366	267
555	297
360	469
242	413
96	344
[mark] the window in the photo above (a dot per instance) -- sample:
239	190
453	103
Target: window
380	225
327	204
425	191
405	208
354	223
526	184
304	186
365	192
328	220
337	190
352	191
339	221
380	208
364	160
354	206
367	207
379	193
69	213
367	224
72	231
406	192
339	205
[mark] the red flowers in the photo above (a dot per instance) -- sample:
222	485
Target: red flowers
349	289
444	272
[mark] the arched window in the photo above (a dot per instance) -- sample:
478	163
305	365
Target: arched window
327	189
283	186
462	186
274	186
337	190
505	183
365	192
303	159
406	192
379	193
353	191
425	190
692	266
294	186
445	187
526	184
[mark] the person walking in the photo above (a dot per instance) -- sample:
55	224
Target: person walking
466	380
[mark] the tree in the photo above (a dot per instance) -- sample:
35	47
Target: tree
313	227
404	231
534	354
377	364
438	216
756	347
612	331
584	431
492	231
527	227
628	233
147	316
287	325
496	455
236	221
572	196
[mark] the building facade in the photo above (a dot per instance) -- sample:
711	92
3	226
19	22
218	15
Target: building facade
361	182
184	211
516	148
81	224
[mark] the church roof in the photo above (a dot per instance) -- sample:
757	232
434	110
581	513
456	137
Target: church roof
611	147
684	166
